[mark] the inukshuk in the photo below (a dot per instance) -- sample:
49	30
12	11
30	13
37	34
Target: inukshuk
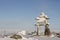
42	20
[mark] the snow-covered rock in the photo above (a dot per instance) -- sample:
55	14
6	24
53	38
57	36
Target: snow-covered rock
22	33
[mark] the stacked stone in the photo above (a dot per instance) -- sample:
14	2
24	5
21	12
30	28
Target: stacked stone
42	20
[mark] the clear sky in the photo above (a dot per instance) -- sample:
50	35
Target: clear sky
21	14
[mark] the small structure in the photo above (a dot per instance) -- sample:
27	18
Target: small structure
42	20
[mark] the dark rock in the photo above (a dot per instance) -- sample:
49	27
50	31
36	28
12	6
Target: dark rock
47	30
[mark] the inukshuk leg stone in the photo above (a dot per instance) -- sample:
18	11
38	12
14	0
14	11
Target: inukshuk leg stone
47	30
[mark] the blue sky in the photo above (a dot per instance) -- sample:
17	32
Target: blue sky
21	14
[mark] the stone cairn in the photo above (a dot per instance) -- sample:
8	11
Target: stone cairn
42	20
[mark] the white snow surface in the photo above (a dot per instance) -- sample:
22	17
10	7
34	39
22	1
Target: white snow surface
6	38
33	38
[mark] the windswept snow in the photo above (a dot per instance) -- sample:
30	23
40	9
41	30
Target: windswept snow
33	38
6	38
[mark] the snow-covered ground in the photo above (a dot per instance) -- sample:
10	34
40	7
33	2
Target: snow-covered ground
6	38
30	37
47	38
33	38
